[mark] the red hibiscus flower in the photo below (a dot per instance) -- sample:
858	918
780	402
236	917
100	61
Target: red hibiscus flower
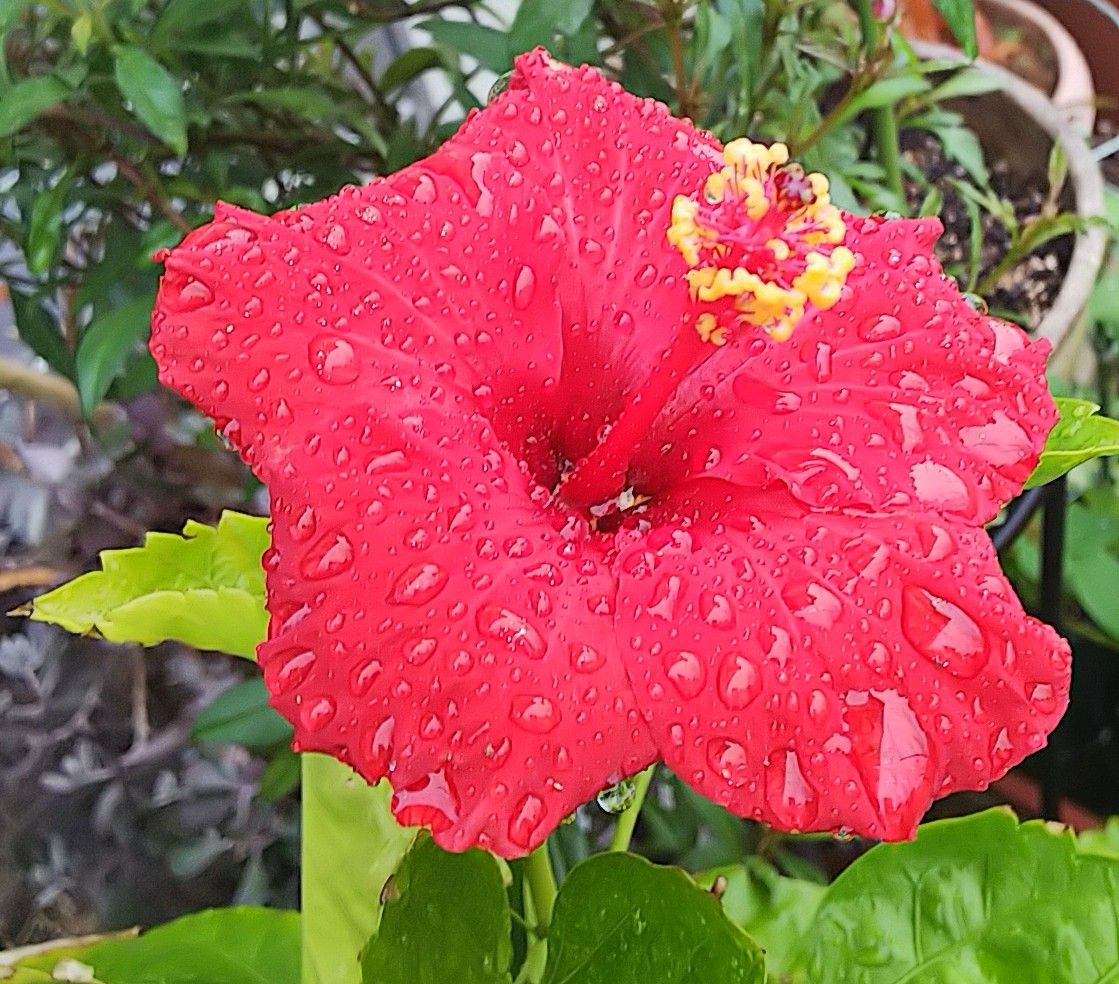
591	443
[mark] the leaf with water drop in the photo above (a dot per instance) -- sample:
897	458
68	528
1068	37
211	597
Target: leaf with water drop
979	898
621	920
1080	435
204	588
155	95
448	919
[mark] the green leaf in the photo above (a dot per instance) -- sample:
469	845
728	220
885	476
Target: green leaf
45	226
1103	841
772	909
155	94
39	331
621	920
244	945
969	81
412	63
281	775
1092	571
81	33
241	716
885	92
543	21
351	846
975	899
187	16
486	45
1080	435
959	15
205	588
25	100
105	346
447	920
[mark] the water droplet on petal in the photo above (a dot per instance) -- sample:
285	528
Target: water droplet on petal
432	802
686	672
880	328
729	760
533	713
793	801
293	666
585	658
528	818
813	603
514	630
942	632
191	296
329	556
376	749
1042	696
738	683
418	584
524	288
317	713
303	527
333	359
363	676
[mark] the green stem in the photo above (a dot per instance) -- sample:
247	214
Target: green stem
540	900
884	123
627	819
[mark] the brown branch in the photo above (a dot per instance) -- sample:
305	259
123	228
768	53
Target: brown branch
152	192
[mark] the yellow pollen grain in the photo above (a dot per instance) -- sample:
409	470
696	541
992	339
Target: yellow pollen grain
710	330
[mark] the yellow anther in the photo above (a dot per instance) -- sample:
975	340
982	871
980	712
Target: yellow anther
710	330
765	235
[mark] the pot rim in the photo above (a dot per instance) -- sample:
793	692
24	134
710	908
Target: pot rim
1088	191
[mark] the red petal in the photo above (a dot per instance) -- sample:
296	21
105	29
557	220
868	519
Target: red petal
899	397
821	672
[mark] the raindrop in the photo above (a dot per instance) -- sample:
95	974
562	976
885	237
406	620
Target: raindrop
528	818
729	760
330	556
880	328
524	288
431	802
942	632
317	713
793	801
294	666
333	359
686	672
514	630
418	584
617	798
533	713
738	682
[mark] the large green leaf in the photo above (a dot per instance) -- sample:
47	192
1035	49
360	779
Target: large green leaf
204	588
976	900
775	910
351	846
25	100
245	945
155	94
447	920
621	920
1080	435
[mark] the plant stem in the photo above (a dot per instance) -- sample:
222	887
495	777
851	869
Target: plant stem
885	124
627	819
540	900
541	882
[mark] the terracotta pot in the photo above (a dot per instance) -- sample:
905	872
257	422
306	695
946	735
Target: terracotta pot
1095	26
1019	125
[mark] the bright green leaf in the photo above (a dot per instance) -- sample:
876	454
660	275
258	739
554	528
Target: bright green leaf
1080	435
351	845
959	15
81	33
204	588
975	900
970	81
772	909
155	94
244	945
25	100
447	919
1103	841
241	716
621	920
105	346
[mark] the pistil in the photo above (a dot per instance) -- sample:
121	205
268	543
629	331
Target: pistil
765	246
